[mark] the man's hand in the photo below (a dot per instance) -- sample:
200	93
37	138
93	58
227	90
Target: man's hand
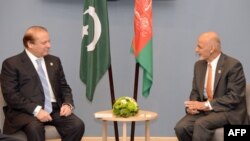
65	110
44	116
195	105
192	111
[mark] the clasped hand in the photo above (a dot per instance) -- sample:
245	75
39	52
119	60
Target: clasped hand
44	116
194	107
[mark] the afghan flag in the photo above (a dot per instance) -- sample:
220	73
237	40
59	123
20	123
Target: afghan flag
142	42
95	47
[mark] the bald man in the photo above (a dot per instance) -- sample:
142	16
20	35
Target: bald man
224	104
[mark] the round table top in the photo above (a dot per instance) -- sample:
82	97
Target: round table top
140	116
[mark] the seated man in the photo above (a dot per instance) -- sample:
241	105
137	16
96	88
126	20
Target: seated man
36	91
218	92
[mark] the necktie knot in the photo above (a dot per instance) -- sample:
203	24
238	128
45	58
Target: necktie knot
209	66
39	61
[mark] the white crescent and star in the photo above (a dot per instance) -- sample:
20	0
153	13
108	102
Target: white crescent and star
97	28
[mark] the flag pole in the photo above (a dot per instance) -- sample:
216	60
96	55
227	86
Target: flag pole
132	135
112	95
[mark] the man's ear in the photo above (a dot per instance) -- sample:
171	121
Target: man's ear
30	44
213	47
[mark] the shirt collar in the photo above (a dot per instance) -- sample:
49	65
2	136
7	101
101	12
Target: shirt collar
32	57
215	61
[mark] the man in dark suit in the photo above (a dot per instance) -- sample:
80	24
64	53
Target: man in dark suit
24	92
4	137
226	105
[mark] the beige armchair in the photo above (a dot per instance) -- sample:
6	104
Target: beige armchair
51	132
219	133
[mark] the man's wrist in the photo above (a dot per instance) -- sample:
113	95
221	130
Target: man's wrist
70	106
37	110
206	105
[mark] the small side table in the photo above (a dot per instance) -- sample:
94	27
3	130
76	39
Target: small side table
106	116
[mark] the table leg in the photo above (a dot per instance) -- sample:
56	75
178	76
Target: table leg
105	131
124	131
147	130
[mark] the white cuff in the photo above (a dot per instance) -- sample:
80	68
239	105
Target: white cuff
37	110
209	105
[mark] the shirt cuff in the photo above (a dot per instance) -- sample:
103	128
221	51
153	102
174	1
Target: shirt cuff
37	110
209	105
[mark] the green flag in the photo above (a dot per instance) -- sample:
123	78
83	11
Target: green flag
95	50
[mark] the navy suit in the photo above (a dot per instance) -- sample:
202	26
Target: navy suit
23	92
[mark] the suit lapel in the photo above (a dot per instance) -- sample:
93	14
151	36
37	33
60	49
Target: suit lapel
29	67
219	70
202	76
50	66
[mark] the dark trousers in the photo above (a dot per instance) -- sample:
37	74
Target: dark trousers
71	128
199	127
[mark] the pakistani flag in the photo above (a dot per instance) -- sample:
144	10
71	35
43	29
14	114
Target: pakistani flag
95	51
142	42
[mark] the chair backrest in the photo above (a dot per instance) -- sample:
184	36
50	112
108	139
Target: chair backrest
248	99
51	132
2	103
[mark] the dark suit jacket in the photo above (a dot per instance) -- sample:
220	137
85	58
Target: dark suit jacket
22	88
229	88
